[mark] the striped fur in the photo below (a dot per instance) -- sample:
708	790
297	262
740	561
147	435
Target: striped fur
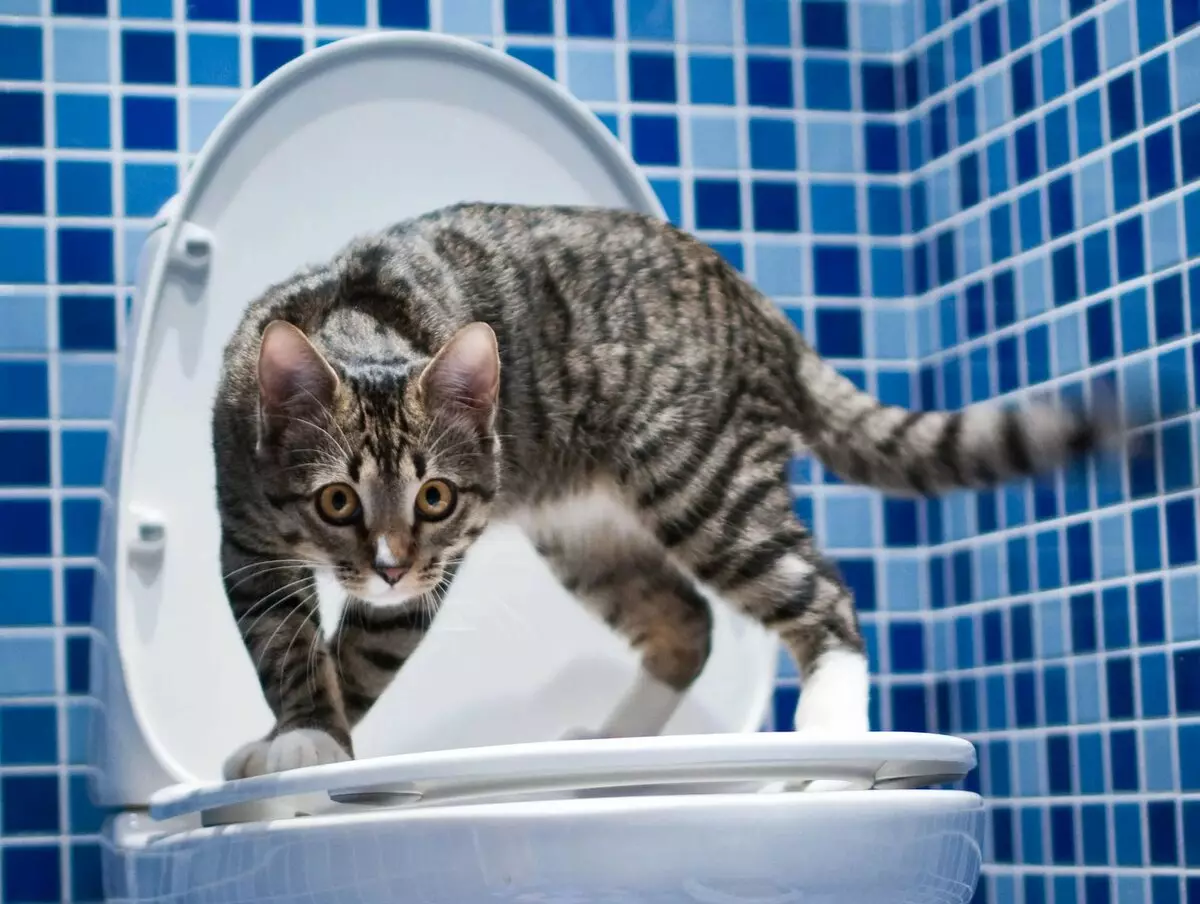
649	401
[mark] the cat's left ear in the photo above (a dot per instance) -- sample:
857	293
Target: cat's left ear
464	376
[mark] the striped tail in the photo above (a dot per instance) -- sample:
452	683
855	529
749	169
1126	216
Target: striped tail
871	444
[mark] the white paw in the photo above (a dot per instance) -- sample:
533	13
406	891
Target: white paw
290	750
835	697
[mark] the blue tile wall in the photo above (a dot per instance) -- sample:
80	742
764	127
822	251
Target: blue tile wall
956	201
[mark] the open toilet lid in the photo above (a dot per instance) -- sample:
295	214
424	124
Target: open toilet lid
353	137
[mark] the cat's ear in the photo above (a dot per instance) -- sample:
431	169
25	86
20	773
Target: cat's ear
294	380
464	376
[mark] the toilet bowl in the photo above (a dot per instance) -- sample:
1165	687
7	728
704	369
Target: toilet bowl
461	792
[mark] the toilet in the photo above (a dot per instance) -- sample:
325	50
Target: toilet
464	790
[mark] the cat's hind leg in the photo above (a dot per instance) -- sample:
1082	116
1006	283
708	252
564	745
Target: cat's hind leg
608	560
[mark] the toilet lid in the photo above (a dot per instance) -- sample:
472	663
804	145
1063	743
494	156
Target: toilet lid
875	760
350	138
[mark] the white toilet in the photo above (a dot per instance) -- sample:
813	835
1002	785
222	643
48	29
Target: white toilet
460	794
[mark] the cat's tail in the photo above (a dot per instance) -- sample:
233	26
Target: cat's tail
866	442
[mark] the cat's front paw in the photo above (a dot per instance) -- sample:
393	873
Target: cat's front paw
289	750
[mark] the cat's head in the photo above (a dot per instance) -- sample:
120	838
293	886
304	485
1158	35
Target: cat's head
384	475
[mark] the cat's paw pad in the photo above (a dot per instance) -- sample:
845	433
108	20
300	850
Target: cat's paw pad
290	750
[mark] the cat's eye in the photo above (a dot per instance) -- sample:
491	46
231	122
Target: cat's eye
338	504
436	500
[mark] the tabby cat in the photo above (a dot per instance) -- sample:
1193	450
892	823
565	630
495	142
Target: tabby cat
599	377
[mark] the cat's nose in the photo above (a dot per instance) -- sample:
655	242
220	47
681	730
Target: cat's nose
391	575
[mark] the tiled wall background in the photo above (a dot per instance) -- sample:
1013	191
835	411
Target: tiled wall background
958	201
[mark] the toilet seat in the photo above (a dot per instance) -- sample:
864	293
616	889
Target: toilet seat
891	760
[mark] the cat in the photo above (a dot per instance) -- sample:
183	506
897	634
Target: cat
599	377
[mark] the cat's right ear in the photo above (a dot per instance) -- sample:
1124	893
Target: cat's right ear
294	380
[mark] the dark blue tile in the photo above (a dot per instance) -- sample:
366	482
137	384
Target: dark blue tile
1126	177
20	52
1062	835
24	458
772	144
148	124
652	77
1184	14
1165	889
718	205
28	736
1004	298
1130	254
859	576
906	644
270	53
824	24
883	147
22	122
539	58
912	84
968	181
1168	308
965	117
836	271
1191	838
1143	476
776	206
1060	778
1094	819
1160	825
655	140
839	332
1172	383
1025	713
212	10
87	883
1155	692
1037	354
1151	24
1189	146
78	586
900	522
1026	143
939	131
1119	674
24	389
1020	26
991	41
878	87
87	323
590	19
1058	709
22	187
783	708
98	8
1024	93
1181	532
1084	53
1018	565
30	805
1079	553
993	637
85	256
1061	201
1160	163
1147	547
1155	76
32	873
1002	835
1057	137
909	708
1122	109
529	17
935	66
283	12
885	210
769	82
1065	275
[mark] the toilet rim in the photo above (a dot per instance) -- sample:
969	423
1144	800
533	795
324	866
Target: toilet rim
879	760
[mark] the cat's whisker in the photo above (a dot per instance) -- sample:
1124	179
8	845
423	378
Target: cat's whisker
249	628
305	621
265	571
266	647
263	562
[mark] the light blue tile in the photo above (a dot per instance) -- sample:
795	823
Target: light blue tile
1185	607
849	522
28	666
971	239
592	74
941	646
714	142
989	573
831	147
878	26
940	205
81	54
1033	287
86	389
903	579
778	270
204	115
709	22
1160	758
1138	383
1131	890
82	725
891	334
467	17
927	330
1068	345
135	240
1164	235
1030	771
1118	35
1111	538
1187	74
1093	190
995	100
1087	691
146	9
24	319
20	7
956	508
1050	628
1050	15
